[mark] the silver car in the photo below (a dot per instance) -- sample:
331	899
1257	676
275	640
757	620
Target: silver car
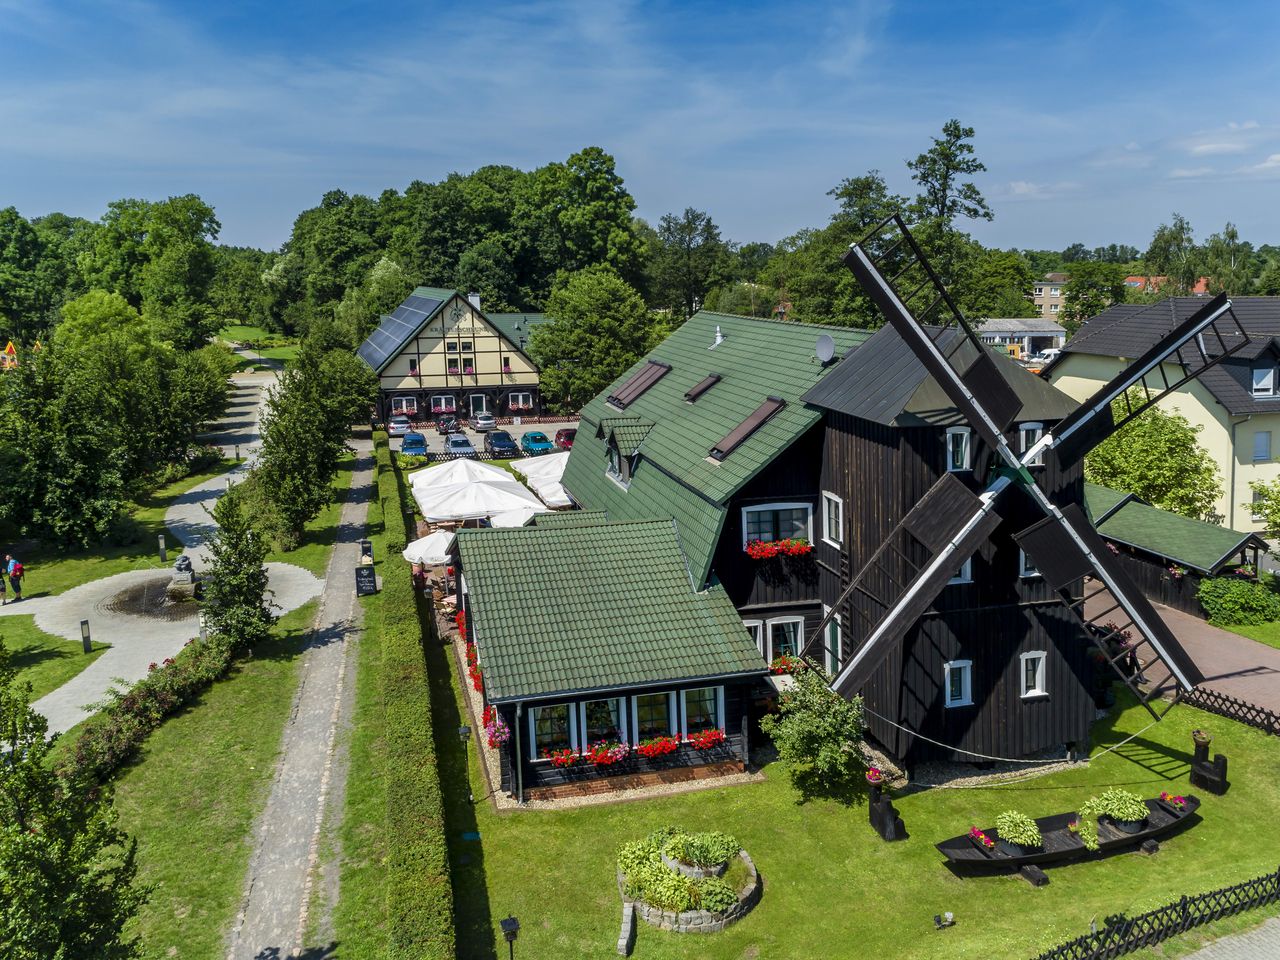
457	445
398	425
483	421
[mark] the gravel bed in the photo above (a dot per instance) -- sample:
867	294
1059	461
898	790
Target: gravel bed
475	706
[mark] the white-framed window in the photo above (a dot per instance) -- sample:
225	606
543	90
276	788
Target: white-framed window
443	403
1255	512
964	574
1039	291
451	365
784	635
1264	380
1261	446
1025	566
603	720
832	519
777	521
756	629
404	405
958	453
1054	291
957	682
520	399
703	710
451	346
1053	308
831	642
551	727
651	715
1031	434
1033	679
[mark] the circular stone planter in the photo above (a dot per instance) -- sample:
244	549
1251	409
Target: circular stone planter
693	870
699	921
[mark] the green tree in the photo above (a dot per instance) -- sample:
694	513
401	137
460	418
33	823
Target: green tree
744	298
383	290
21	294
1269	279
818	734
235	585
599	326
940	172
1229	262
998	285
1173	254
690	259
1092	288
1158	458
69	872
488	268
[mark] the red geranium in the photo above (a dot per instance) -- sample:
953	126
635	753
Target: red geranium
768	549
657	747
785	663
561	758
707	739
460	618
607	752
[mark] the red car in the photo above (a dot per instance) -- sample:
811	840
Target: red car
564	438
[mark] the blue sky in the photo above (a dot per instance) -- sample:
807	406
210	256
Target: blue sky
1095	120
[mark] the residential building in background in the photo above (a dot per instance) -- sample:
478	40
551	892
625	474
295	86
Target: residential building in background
1236	404
1049	294
1022	336
1153	285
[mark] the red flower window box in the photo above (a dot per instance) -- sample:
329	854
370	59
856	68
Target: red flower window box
561	758
706	739
785	663
768	549
657	747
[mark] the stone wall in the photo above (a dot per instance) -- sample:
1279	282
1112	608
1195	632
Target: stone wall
700	921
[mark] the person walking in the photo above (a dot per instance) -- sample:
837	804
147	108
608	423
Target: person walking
15	572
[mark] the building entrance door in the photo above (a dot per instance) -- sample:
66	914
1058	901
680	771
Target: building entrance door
479	403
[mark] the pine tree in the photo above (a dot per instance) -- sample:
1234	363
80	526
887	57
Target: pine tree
235	592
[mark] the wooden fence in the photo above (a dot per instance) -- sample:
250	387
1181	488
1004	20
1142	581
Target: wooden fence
1123	935
1233	708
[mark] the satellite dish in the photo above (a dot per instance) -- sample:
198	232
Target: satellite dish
826	348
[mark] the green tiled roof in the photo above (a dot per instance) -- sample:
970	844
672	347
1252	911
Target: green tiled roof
570	518
1100	501
564	609
675	477
1192	543
517	326
434	293
629	434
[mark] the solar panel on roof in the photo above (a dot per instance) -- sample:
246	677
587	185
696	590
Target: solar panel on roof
701	387
395	330
734	438
646	377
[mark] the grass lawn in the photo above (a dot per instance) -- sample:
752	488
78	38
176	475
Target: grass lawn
1268	633
832	888
248	335
243	332
320	534
51	571
192	796
41	659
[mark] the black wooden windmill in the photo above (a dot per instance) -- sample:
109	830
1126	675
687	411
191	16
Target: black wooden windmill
913	565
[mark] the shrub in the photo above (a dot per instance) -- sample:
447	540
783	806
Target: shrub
817	733
701	849
651	880
1018	828
1116	803
419	891
1234	600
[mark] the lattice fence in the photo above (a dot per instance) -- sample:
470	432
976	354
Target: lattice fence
1226	705
1123	935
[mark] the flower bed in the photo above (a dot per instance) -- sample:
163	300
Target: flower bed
768	549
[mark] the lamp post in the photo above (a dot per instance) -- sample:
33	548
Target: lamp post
164	554
464	734
510	930
204	628
84	636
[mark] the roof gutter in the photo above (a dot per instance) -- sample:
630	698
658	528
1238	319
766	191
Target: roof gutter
616	688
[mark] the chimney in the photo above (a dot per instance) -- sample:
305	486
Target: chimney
718	340
474	300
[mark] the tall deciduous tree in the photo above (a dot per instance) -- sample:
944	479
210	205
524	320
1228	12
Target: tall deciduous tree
1158	458
235	585
690	259
944	193
997	285
1229	262
69	873
599	326
21	296
1092	288
1173	254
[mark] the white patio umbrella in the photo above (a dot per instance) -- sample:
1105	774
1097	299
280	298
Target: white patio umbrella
549	467
467	501
431	549
456	471
515	518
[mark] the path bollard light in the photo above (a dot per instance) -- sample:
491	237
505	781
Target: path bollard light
164	553
237	453
84	636
464	734
204	628
510	930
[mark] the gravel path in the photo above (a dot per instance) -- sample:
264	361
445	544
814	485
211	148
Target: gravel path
272	920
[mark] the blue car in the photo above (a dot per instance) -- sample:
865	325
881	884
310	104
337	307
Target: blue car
414	444
534	442
498	443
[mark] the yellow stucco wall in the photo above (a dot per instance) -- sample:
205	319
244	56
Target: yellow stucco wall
458	333
1078	375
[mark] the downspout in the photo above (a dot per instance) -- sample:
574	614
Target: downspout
1231	506
519	755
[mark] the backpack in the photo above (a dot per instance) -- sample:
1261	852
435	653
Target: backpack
16	571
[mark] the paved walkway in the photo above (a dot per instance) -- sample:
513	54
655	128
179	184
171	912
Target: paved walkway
138	641
1231	664
1260	943
272	921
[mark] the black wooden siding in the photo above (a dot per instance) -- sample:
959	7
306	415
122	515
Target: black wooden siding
1152	577
881	472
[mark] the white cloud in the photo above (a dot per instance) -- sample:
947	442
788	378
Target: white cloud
1029	190
1212	149
1271	163
1247	125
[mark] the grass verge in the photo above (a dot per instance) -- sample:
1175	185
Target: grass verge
41	659
1268	633
191	797
312	553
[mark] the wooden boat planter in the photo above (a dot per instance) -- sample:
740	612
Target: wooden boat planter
1062	844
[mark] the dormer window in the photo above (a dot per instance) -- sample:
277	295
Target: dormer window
618	467
1264	379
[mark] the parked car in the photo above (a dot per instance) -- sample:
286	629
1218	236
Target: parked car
414	444
564	438
483	421
499	443
534	442
457	445
447	424
398	425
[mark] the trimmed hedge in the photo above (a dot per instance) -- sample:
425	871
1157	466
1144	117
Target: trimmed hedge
419	888
1235	600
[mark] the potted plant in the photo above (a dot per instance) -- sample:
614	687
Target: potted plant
607	753
1202	738
875	777
981	840
1018	833
1174	803
1124	810
785	663
706	739
657	747
561	758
